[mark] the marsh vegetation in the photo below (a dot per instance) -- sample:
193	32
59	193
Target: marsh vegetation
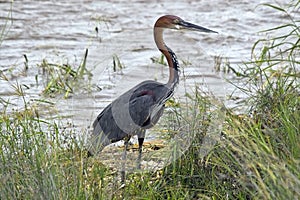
257	155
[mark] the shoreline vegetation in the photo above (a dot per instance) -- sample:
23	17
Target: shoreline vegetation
256	157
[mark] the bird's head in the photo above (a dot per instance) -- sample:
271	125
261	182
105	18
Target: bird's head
174	22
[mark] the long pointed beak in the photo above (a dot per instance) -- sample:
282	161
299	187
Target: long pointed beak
194	27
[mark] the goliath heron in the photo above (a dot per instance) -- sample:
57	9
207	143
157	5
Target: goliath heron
141	107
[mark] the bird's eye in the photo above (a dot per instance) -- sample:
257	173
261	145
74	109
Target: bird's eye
176	21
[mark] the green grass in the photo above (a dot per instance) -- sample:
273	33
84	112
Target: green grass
257	155
36	163
7	25
117	65
159	60
63	78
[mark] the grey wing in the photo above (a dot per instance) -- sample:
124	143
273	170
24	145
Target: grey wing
146	110
137	109
123	117
105	131
141	108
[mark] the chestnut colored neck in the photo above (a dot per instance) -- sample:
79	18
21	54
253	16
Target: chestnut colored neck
170	55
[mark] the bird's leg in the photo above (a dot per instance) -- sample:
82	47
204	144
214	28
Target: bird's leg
141	137
126	141
141	141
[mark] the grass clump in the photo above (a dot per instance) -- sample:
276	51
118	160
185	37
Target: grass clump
117	65
63	79
160	60
7	25
40	160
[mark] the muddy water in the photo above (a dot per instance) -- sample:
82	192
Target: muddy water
61	31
